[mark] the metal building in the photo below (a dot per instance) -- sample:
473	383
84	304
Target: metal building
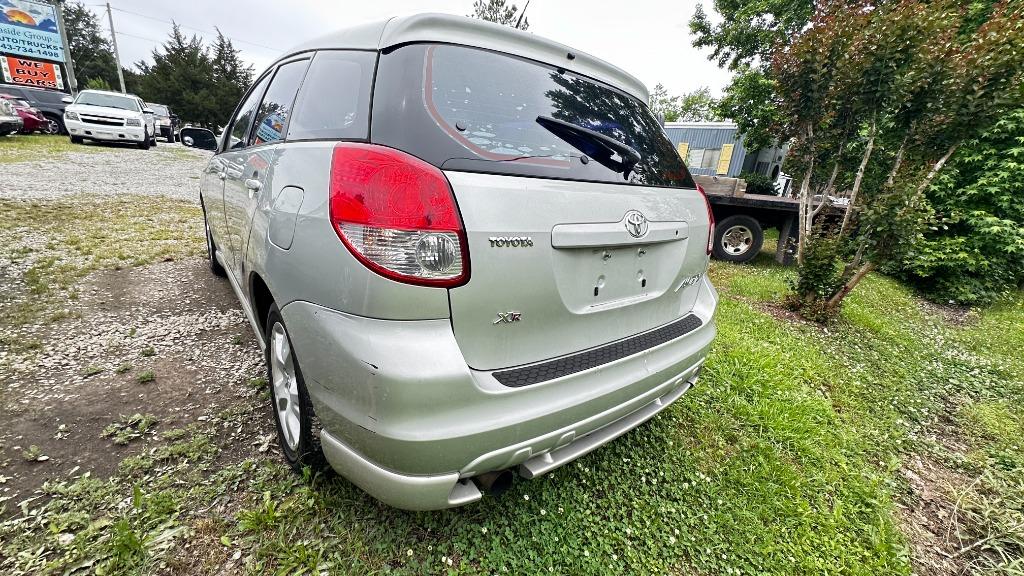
716	149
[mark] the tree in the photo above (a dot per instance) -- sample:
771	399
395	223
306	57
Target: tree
696	106
182	76
231	77
745	41
91	53
751	101
499	12
749	32
914	78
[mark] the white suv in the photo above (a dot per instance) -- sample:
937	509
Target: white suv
111	116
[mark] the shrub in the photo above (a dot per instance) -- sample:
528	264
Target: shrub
759	184
818	278
974	252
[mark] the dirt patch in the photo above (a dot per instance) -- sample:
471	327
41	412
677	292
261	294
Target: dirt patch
166	340
928	514
955	314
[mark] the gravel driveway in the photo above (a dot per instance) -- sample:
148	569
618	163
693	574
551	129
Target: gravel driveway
169	170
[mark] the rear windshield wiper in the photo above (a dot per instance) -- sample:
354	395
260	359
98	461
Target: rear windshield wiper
594	144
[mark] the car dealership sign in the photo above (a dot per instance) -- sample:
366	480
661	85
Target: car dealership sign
30	29
31	73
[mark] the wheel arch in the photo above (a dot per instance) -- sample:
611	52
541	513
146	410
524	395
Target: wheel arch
261	299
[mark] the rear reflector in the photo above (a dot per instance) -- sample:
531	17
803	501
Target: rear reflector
711	218
397	215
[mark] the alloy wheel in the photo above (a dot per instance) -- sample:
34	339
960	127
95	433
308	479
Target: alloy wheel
285	385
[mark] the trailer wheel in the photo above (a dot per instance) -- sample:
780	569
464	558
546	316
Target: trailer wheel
738	239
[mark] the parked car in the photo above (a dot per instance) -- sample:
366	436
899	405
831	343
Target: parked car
166	121
110	116
465	250
10	122
48	102
32	119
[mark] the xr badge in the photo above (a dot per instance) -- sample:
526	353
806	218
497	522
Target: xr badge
508	317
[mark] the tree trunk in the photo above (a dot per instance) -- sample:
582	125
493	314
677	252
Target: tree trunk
859	178
805	194
896	165
850	284
835	171
935	169
805	204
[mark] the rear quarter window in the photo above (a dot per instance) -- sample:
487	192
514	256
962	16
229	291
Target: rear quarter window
334	101
469	109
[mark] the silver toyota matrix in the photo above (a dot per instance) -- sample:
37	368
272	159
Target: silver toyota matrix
467	251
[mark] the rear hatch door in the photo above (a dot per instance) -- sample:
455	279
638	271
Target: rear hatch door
569	249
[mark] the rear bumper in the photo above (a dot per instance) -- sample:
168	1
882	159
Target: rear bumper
435	492
405	419
10	124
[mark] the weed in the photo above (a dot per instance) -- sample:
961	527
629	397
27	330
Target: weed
129	428
91	371
145	377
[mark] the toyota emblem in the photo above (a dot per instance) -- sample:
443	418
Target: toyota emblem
636	224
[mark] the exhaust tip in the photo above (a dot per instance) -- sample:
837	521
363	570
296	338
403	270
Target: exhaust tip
495	483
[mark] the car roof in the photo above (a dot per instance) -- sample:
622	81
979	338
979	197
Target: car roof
477	33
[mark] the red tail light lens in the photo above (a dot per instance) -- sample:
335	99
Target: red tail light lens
711	218
397	215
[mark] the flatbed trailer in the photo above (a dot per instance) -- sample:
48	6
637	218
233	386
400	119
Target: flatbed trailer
740	220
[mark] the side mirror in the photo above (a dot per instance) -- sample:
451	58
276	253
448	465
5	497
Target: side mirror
147	111
198	138
67	100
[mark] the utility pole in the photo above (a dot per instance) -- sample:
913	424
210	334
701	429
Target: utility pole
117	57
68	60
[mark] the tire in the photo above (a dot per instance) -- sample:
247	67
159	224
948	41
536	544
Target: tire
144	145
211	250
738	238
54	125
298	429
77	140
153	141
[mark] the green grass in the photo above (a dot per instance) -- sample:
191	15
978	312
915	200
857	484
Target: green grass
25	148
57	243
785	459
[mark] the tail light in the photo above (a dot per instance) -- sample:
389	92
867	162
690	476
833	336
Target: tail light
711	218
397	215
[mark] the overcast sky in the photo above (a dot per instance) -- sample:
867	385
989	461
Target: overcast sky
648	38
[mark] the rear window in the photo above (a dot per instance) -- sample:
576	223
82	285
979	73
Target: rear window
474	110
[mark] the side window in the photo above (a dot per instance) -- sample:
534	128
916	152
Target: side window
272	117
334	101
243	121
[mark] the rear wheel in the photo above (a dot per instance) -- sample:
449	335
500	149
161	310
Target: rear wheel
738	238
298	429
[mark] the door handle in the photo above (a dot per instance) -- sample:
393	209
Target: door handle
253	185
